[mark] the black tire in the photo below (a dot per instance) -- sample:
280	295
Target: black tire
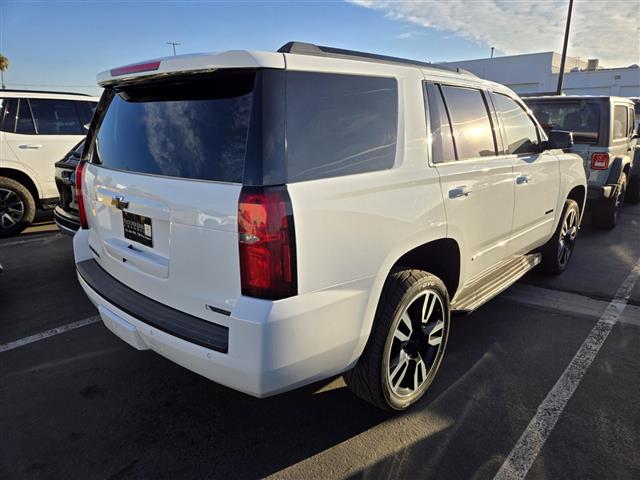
605	215
557	252
12	194
403	293
633	191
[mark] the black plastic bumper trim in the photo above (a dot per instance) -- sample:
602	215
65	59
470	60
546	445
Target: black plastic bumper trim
176	323
70	226
600	192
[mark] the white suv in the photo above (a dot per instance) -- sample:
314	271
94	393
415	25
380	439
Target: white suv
36	130
272	219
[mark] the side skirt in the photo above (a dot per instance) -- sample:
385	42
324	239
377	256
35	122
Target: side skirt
494	282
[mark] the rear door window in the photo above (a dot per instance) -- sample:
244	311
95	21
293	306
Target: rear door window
520	130
9	115
56	117
193	129
469	116
339	124
24	123
620	118
442	148
3	104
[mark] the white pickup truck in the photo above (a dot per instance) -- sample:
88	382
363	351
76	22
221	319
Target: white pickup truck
270	219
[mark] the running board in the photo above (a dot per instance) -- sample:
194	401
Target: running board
494	282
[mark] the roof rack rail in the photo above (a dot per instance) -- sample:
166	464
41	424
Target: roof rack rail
24	90
302	48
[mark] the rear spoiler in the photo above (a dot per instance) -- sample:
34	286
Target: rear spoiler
191	64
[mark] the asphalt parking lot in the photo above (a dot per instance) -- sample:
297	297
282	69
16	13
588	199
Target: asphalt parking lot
83	404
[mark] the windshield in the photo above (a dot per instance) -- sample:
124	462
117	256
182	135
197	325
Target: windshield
580	117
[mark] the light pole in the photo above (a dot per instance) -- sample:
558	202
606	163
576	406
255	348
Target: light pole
564	49
173	44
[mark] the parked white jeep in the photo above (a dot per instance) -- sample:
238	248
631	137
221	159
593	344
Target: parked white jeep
36	130
272	219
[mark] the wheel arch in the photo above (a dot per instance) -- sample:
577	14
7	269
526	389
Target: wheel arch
24	179
573	185
439	256
618	166
579	195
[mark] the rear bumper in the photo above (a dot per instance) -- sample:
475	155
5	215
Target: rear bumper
271	347
161	317
597	193
66	222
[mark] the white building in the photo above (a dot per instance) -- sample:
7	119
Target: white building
537	73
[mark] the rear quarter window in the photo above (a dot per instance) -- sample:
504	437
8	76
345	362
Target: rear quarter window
620	120
339	124
55	117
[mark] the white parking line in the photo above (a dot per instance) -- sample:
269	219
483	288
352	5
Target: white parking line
41	238
529	445
572	304
49	333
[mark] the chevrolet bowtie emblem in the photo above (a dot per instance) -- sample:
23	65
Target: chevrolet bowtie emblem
119	202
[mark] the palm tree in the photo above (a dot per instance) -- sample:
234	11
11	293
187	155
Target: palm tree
4	64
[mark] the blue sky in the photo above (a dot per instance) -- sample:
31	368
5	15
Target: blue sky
61	45
67	43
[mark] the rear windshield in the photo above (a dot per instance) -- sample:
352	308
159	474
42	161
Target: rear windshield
580	117
256	127
193	129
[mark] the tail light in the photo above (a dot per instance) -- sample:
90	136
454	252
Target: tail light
600	161
267	243
79	198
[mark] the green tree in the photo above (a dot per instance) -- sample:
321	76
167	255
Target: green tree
4	64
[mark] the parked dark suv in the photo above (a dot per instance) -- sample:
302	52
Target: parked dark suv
66	212
604	134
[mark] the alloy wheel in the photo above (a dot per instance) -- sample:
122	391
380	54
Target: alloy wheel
11	208
415	351
619	201
568	235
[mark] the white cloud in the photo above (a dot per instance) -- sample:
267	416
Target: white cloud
604	29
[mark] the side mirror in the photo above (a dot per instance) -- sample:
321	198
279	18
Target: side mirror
559	139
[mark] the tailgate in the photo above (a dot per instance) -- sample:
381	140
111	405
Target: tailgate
175	241
162	188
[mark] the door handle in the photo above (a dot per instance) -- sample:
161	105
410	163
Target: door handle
30	146
522	179
461	191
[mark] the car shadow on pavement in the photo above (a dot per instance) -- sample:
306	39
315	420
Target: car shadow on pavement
129	414
180	424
